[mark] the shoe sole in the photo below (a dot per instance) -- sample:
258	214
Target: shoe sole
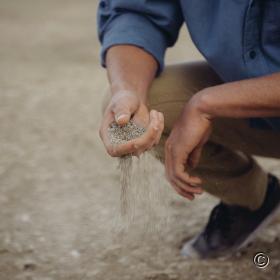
262	225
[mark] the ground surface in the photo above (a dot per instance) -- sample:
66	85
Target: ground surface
58	189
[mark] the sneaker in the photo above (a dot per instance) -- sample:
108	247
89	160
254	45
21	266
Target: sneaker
231	228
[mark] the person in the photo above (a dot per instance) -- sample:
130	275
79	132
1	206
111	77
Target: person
208	118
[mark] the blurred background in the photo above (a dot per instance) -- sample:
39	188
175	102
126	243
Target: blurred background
58	188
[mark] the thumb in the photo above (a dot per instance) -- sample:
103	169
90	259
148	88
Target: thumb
124	104
122	114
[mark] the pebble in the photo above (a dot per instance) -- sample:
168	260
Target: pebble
75	254
25	218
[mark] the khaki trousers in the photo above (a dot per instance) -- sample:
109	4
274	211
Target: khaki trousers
227	168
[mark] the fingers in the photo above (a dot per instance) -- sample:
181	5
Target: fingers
195	189
168	169
146	141
137	146
103	131
157	123
161	127
195	157
125	105
179	189
152	134
182	182
183	193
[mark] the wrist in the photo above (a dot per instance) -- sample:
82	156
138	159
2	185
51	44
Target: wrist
202	103
130	92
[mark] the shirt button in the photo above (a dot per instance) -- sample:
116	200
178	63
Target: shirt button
103	4
252	54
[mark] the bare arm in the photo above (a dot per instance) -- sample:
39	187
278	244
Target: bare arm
131	69
258	97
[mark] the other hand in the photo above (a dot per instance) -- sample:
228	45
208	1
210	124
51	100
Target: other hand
183	150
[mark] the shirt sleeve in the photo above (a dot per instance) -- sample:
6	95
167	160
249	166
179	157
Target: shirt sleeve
149	24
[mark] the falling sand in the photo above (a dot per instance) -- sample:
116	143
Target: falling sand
119	135
143	204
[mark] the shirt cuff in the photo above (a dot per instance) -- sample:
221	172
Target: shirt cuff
137	30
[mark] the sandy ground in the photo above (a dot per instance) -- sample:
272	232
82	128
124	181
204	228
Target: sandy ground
58	188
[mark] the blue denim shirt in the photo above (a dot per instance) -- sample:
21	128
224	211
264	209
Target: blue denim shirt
240	39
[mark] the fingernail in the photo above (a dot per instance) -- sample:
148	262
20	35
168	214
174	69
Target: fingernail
120	117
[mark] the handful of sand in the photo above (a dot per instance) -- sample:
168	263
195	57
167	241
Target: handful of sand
122	134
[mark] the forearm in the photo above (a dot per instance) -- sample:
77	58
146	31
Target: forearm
258	97
130	69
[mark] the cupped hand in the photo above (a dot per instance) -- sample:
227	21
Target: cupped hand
183	150
123	107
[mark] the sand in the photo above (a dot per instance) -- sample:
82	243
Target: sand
120	135
123	134
143	204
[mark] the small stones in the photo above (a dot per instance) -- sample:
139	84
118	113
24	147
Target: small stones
25	218
75	254
29	266
122	134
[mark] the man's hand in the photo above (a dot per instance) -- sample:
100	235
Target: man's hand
131	71
126	105
183	149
